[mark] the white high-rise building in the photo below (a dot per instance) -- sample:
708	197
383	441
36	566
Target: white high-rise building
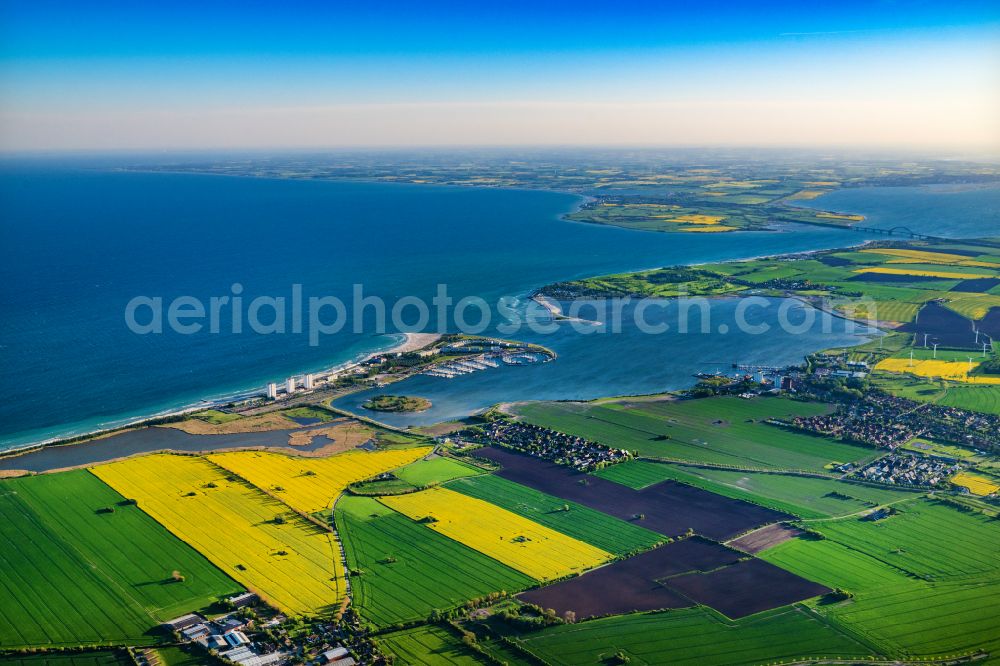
290	385
272	391
307	383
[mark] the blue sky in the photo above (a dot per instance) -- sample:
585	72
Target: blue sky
298	74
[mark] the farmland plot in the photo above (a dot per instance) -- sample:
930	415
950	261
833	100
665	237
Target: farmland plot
436	470
632	584
668	508
290	562
575	520
695	636
694	431
903	616
104	658
312	484
928	619
533	549
806	497
403	571
928	539
80	567
428	645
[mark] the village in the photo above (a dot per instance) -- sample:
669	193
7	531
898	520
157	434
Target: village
577	452
253	634
907	469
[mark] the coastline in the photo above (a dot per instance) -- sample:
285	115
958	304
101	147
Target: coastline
409	342
555	310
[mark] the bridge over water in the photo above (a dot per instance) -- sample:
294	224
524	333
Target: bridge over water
902	231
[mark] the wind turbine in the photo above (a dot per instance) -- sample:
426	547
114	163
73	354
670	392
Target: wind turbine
911	358
970	367
935	348
925	340
985	345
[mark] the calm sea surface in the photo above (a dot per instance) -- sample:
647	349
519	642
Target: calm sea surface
76	245
954	211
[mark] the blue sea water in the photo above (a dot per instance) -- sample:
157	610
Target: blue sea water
77	244
951	211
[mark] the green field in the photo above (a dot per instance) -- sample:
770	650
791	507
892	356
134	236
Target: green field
695	636
936	620
806	497
396	403
836	565
976	398
937	449
901	615
885	310
721	431
103	658
70	575
428	645
215	417
407	570
593	527
927	539
435	470
175	655
309	412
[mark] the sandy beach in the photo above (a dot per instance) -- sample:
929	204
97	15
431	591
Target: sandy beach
410	342
415	341
556	310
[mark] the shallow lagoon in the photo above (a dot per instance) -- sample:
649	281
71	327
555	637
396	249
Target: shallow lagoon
600	362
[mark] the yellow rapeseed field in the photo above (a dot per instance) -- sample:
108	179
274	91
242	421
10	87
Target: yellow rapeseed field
716	228
699	219
972	305
965	264
905	256
807	194
922	273
841	216
291	563
741	184
977	485
522	544
693	218
312	484
956	371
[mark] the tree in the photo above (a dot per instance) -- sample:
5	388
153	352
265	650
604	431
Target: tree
620	658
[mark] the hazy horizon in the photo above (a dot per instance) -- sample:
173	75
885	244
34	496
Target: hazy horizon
884	76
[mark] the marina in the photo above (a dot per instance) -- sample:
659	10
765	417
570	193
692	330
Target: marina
493	359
